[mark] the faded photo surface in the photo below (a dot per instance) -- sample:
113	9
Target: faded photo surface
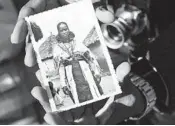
72	56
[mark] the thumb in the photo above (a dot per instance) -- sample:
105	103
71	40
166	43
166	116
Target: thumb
128	100
122	70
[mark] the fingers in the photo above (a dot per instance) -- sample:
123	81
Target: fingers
30	59
54	119
20	31
37	5
105	16
128	100
52	4
38	76
40	79
94	1
105	107
105	112
41	95
65	2
122	70
89	118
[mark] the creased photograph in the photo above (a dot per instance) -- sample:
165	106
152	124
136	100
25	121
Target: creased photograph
72	56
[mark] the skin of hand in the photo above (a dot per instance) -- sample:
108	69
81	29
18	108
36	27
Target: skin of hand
88	117
20	32
19	36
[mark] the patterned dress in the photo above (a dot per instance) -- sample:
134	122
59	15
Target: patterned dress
78	70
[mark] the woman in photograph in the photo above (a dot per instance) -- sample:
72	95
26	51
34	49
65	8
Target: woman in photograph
79	71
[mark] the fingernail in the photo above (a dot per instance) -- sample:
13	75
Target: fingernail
45	117
128	100
48	119
38	75
30	59
19	32
36	91
33	92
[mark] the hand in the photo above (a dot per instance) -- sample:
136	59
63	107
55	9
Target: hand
82	115
88	117
122	70
18	36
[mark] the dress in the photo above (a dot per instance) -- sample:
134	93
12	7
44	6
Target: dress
78	69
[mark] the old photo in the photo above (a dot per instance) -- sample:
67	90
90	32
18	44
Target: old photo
72	56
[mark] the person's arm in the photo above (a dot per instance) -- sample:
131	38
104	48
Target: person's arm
95	68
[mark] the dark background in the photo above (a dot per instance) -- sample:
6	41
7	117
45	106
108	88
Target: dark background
162	51
162	13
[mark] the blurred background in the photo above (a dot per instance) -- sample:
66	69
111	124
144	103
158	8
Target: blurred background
16	81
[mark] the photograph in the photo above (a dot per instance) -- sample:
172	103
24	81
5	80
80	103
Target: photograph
87	62
72	56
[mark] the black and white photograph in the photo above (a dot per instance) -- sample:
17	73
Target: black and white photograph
87	62
72	56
